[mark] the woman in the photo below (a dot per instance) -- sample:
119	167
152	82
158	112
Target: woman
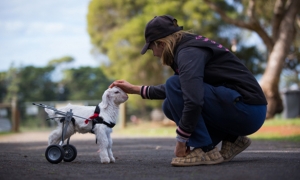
212	96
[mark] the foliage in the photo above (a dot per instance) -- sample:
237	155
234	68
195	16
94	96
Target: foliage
3	85
265	11
251	58
55	62
31	83
36	84
12	81
85	83
27	84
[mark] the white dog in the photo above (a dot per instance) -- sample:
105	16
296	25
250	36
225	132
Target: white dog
105	114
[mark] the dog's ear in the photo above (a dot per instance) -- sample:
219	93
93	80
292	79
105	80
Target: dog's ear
105	100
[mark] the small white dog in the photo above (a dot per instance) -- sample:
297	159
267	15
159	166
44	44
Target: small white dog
105	114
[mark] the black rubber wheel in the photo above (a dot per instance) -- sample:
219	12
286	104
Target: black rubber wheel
70	152
54	154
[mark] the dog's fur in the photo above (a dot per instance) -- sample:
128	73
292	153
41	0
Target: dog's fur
109	108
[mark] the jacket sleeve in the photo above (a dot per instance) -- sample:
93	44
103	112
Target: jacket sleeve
191	64
153	92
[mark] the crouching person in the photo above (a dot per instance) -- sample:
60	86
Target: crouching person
212	97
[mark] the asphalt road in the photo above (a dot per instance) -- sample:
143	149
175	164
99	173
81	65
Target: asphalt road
146	158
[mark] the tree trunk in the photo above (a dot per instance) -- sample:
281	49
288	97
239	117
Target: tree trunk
278	45
271	76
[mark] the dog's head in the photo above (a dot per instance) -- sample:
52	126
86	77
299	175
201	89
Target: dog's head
113	96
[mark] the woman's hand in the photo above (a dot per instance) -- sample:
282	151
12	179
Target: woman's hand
126	87
181	150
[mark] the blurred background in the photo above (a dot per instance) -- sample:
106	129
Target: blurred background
59	52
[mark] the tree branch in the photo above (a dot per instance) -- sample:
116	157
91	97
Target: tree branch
279	11
252	25
298	21
225	17
251	10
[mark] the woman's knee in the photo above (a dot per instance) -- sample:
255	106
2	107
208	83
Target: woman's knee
172	81
167	110
257	119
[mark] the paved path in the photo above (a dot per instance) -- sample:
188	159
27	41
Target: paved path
21	157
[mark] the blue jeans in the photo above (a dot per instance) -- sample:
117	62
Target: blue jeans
223	113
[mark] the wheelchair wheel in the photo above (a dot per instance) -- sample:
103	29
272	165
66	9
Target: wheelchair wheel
54	154
70	152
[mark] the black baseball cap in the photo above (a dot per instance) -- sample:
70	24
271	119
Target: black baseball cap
159	27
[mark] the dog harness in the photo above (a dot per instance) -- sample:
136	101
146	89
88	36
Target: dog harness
62	120
96	119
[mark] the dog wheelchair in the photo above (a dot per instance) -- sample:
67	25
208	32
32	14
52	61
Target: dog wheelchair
67	152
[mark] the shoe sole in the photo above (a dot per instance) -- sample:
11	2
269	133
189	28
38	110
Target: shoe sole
218	161
245	147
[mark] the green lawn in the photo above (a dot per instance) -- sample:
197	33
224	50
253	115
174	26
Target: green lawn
282	122
147	129
279	129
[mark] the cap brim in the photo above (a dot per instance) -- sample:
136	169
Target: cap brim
145	48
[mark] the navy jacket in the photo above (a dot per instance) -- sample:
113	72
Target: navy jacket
200	60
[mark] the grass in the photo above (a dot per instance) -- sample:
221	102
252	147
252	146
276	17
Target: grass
275	130
5	133
294	138
146	129
279	129
282	122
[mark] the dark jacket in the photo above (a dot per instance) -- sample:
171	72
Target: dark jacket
199	60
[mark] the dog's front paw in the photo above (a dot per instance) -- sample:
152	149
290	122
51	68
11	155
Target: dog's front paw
105	160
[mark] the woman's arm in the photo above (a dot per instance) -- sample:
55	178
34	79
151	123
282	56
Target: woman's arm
146	92
126	87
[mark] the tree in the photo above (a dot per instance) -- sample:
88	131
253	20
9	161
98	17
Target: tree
56	62
35	84
277	29
3	86
12	81
11	97
84	83
116	29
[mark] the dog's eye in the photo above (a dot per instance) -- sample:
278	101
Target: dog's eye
117	92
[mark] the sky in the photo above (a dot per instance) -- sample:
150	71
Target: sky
33	32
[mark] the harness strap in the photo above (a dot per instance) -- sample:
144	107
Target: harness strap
96	119
99	120
63	119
